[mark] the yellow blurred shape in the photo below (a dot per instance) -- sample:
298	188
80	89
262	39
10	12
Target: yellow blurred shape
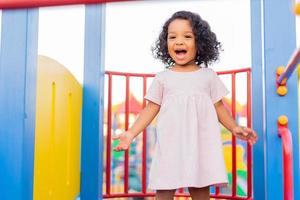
240	163
57	137
297	8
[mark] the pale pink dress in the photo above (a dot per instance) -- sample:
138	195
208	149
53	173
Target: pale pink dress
188	150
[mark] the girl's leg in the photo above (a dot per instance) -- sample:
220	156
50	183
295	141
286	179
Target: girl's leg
199	193
165	194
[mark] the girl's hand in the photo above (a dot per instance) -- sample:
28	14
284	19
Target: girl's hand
245	133
125	140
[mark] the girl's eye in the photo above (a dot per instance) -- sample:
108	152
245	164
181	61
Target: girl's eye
188	36
171	37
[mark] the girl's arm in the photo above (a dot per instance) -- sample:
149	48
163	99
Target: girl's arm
226	119
144	119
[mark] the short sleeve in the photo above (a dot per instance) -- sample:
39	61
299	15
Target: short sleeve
155	91
217	88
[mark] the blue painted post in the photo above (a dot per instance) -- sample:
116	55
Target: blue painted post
273	42
258	108
18	60
93	98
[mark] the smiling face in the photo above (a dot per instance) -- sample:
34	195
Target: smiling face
181	43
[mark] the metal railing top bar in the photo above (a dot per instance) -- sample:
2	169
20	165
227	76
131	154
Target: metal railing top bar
234	71
129	74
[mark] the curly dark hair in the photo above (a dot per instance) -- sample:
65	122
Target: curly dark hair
207	45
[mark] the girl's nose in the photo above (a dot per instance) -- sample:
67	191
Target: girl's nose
179	42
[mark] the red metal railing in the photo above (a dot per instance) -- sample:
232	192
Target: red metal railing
287	146
144	193
108	141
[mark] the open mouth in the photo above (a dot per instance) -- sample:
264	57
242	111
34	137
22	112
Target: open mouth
180	52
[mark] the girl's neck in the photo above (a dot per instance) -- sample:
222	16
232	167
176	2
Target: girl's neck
185	68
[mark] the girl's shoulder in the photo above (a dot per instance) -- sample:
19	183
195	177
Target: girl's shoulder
161	73
209	71
159	76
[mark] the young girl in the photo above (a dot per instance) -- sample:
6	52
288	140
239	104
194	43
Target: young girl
188	98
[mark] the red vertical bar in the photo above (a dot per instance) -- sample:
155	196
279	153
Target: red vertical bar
180	190
249	151
217	191
233	106
126	161
108	139
144	159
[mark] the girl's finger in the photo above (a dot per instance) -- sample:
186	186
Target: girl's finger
253	140
253	137
245	133
253	133
241	136
116	137
246	136
120	148
247	129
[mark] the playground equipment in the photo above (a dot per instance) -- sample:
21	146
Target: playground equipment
283	74
285	134
273	41
57	132
297	8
